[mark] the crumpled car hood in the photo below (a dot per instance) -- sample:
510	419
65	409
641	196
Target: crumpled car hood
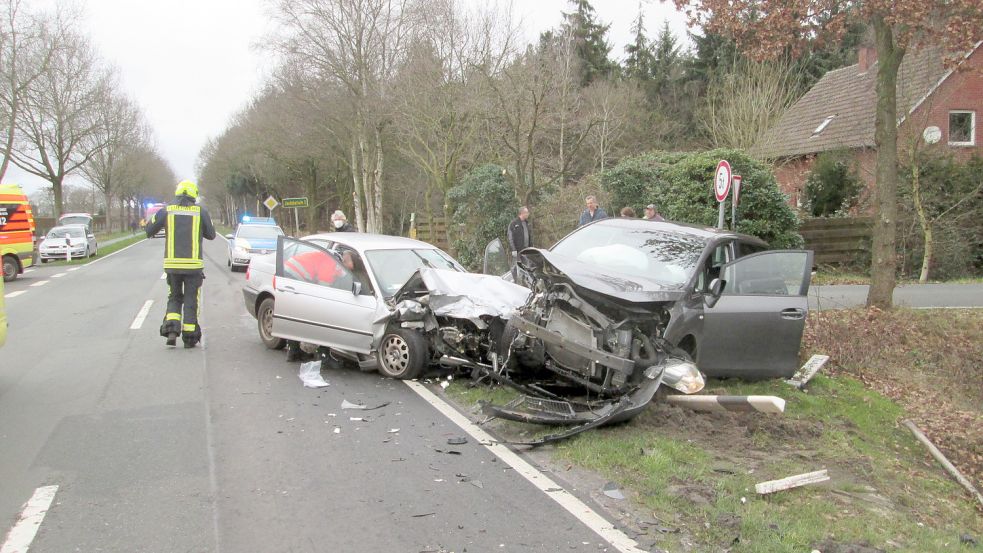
629	289
465	295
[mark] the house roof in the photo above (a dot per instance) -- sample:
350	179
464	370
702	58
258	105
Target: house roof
847	97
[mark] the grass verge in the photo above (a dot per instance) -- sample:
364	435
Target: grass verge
103	251
690	477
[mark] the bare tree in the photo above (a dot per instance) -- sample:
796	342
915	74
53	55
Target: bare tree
744	102
59	114
24	56
118	129
358	44
613	106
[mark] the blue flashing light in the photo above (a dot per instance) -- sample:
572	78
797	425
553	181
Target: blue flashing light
245	218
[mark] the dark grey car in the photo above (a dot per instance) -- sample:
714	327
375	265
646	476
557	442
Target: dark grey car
608	288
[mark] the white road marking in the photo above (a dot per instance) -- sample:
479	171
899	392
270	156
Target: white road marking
568	501
31	270
59	275
74	268
14	294
144	311
22	534
163	276
39	283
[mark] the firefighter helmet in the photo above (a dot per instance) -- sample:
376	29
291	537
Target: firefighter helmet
187	188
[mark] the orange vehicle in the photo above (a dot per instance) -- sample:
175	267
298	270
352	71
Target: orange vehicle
17	228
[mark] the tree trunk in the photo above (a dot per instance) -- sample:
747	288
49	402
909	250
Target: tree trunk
359	182
312	201
377	181
922	218
56	189
883	259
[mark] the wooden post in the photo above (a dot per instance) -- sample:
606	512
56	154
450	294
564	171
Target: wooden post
772	486
761	404
948	466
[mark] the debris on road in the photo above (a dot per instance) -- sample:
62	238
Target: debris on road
761	404
613	491
310	375
345	404
457	440
772	486
805	374
424	515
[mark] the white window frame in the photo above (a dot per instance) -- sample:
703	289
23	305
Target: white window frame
972	127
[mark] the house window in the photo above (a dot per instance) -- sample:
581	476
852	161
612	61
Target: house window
822	126
962	128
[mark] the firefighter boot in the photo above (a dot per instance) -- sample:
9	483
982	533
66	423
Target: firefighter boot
191	335
170	330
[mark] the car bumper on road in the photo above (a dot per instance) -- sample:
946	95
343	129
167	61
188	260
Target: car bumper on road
249	296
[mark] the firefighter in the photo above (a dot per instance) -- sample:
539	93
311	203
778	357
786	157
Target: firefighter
186	224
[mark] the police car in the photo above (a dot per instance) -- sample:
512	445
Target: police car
253	236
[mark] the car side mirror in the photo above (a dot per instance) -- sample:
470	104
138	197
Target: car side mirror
229	236
356	288
713	293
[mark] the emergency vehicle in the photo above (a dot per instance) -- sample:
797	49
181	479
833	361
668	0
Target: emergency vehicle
17	238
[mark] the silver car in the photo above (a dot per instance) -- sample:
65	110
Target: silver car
361	295
68	242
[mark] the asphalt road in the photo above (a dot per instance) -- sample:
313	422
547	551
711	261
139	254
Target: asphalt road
917	296
220	448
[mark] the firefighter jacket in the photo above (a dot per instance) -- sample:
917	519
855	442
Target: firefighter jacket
184	224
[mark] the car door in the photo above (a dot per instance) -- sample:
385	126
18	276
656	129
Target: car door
496	261
755	328
315	301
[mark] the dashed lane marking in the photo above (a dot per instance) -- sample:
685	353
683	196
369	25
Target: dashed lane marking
14	294
22	534
39	283
138	321
74	268
163	276
59	275
589	517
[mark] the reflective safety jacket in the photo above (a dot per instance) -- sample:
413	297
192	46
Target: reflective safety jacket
186	224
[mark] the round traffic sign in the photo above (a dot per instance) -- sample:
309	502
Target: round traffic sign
721	181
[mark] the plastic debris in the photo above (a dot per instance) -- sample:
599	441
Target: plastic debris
393	430
458	440
310	374
337	430
345	404
611	490
445	384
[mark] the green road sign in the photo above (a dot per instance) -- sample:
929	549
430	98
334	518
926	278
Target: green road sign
294	202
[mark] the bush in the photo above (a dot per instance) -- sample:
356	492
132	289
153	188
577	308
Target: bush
483	204
951	194
833	186
680	184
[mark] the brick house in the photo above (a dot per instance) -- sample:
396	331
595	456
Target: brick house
838	113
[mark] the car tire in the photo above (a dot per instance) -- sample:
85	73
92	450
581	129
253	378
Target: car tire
10	268
403	354
264	323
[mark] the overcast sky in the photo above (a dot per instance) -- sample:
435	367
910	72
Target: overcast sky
191	64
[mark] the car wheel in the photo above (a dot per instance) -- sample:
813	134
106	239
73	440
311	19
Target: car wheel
9	268
403	354
264	322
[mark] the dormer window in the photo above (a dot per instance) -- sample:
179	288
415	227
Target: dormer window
822	126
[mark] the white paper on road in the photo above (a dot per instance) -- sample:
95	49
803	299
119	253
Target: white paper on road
310	374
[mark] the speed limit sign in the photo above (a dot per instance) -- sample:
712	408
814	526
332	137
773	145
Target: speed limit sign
721	181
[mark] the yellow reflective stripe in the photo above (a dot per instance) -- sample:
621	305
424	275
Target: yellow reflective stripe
195	237
169	252
182	264
188	327
173	317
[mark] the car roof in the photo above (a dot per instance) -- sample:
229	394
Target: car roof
269	221
367	241
77	226
701	231
63	215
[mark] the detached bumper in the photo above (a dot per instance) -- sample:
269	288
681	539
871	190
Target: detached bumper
249	297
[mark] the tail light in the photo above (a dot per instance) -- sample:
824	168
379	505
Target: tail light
274	282
247	272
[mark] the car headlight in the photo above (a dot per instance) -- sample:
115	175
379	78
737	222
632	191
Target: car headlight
683	376
240	251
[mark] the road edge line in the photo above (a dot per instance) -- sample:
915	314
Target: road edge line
141	315
580	510
97	260
32	514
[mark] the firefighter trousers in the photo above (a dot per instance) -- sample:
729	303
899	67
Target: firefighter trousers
183	299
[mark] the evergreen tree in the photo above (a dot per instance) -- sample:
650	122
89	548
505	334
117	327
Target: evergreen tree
588	35
638	64
665	63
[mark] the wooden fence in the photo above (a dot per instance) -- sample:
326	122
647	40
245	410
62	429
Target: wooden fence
436	234
837	240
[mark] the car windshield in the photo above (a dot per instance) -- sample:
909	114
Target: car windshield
392	268
261	232
666	256
66	232
75	220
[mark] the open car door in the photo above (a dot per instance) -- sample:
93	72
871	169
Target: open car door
755	328
317	299
496	260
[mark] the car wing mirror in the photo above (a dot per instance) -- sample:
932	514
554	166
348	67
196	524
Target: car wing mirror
717	286
229	236
356	288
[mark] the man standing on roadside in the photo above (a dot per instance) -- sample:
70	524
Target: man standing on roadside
520	236
592	213
186	224
652	214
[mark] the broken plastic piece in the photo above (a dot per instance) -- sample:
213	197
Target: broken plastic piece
459	440
611	490
345	404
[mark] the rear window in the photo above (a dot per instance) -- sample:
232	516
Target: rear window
75	220
259	232
65	232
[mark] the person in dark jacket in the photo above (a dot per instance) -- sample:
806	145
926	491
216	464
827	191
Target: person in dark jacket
652	214
186	224
519	235
340	222
592	212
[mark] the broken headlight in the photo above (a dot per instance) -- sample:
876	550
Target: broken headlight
683	376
